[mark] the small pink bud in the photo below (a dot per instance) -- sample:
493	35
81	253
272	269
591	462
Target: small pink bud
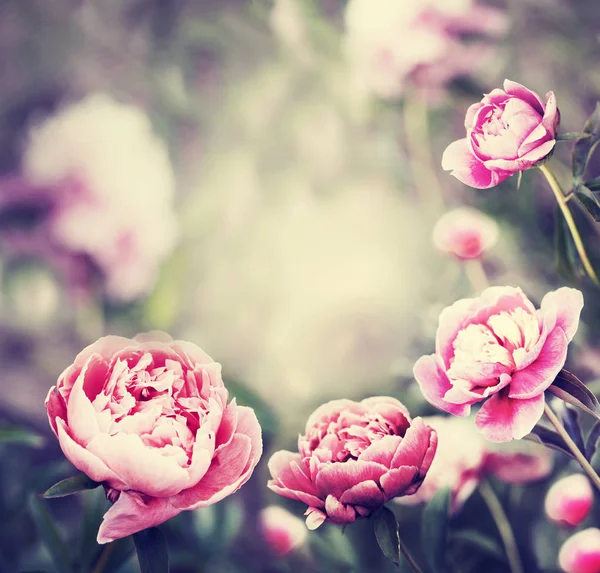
569	500
282	531
465	233
581	552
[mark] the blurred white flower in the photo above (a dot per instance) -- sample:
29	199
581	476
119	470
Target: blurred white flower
288	22
113	187
391	43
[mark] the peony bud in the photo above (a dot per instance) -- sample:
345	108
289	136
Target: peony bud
282	531
465	233
581	552
569	500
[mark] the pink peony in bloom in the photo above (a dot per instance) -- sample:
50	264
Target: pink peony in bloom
353	458
510	130
581	552
465	233
463	458
394	44
149	419
282	531
499	350
112	187
569	500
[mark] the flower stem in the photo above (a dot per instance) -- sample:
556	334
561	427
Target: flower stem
506	533
587	467
562	203
476	275
411	562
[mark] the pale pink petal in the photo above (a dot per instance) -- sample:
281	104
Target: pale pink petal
81	415
519	462
367	494
502	419
537	154
133	512
468	169
536	378
580	553
566	303
569	500
525	94
56	408
336	478
551	115
314	518
85	461
414	445
381	451
338	512
398	481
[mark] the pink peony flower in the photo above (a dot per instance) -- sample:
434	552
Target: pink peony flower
569	500
353	458
499	350
465	233
112	187
581	552
282	531
510	130
149	419
394	44
463	458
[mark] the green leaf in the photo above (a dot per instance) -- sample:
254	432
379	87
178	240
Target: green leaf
569	388
69	486
583	148
591	443
569	417
385	527
590	202
568	263
476	540
593	184
547	437
20	436
152	551
434	531
50	536
569	136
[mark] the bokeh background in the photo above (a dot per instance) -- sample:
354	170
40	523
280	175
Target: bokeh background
262	179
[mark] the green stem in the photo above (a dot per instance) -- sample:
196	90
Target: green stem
411	562
587	467
103	559
562	203
506	533
476	275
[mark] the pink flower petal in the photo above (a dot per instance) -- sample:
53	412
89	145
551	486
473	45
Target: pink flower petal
525	94
314	518
566	303
133	512
338	512
366	493
581	552
468	169
398	481
56	408
334	479
502	419
381	451
434	385
551	115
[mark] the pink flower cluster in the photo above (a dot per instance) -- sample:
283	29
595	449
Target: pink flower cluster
510	130
498	350
395	44
149	419
353	458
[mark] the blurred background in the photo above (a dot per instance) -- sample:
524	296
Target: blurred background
262	178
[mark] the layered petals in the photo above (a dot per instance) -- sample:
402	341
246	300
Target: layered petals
148	418
353	458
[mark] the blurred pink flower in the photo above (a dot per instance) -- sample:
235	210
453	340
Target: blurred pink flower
353	458
282	531
499	350
581	552
149	419
463	458
510	130
569	500
392	43
112	187
465	233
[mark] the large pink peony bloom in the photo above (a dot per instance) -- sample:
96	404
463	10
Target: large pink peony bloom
499	350
465	233
510	130
353	458
463	458
149	419
569	500
581	552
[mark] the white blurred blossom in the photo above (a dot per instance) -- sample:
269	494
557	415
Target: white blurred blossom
113	187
